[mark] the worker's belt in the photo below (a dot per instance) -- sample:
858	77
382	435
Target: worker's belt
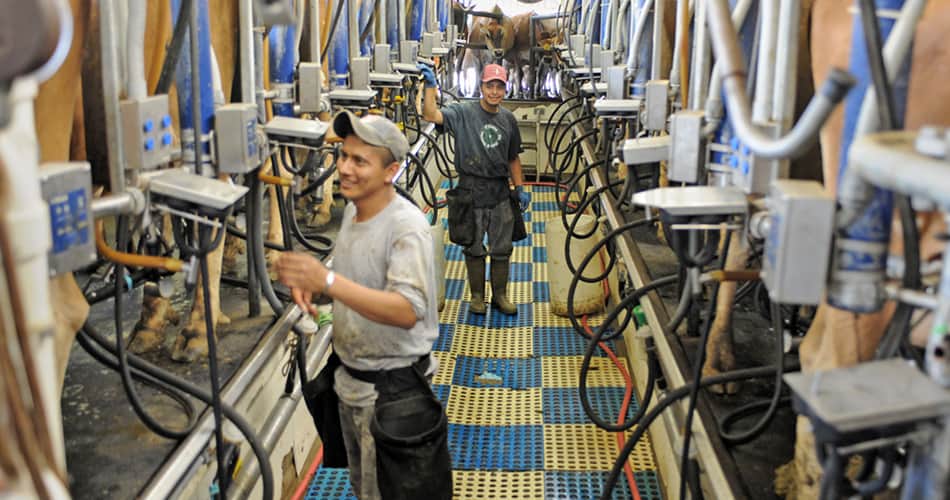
405	373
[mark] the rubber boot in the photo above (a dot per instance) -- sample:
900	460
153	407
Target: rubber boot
476	283
499	286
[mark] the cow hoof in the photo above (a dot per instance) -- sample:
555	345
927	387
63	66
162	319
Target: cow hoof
223	319
729	388
145	340
319	219
189	347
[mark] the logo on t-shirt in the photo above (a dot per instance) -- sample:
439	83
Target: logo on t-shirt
490	136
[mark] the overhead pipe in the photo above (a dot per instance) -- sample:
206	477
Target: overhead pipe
401	22
634	50
246	48
682	27
713	106
786	74
797	141
110	95
765	65
656	61
135	50
700	70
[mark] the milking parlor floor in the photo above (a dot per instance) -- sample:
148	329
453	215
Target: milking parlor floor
523	438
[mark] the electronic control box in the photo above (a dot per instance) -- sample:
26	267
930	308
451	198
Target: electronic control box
67	189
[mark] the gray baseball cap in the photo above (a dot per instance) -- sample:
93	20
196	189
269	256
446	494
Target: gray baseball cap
374	130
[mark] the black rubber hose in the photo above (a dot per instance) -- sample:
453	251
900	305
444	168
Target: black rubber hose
698	368
291	217
652	373
661	405
267	475
577	276
122	236
757	429
222	471
173	53
95	352
336	20
877	485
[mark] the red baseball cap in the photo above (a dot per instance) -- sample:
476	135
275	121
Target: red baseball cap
494	72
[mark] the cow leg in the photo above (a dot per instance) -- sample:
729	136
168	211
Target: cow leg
275	227
720	347
192	342
322	215
157	312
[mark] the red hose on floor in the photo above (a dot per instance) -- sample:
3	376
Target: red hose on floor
302	487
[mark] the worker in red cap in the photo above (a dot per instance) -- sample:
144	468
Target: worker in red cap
487	144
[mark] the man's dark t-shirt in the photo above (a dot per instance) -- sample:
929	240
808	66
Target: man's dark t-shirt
485	144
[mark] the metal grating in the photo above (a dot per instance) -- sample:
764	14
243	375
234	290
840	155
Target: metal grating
539	254
541	291
510	448
523	318
544	316
584	447
562	405
454	288
515	373
519	292
446	367
521	254
563	371
478	485
442	393
561	341
444	342
566	485
330	484
480	406
493	343
521	272
455	269
450	312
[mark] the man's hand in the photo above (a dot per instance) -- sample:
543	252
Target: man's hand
428	75
304	275
524	199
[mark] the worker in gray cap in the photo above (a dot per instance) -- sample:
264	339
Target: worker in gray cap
382	283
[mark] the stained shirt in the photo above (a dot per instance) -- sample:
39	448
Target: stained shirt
392	251
485	145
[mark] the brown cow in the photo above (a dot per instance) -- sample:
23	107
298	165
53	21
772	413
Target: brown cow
497	35
522	74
